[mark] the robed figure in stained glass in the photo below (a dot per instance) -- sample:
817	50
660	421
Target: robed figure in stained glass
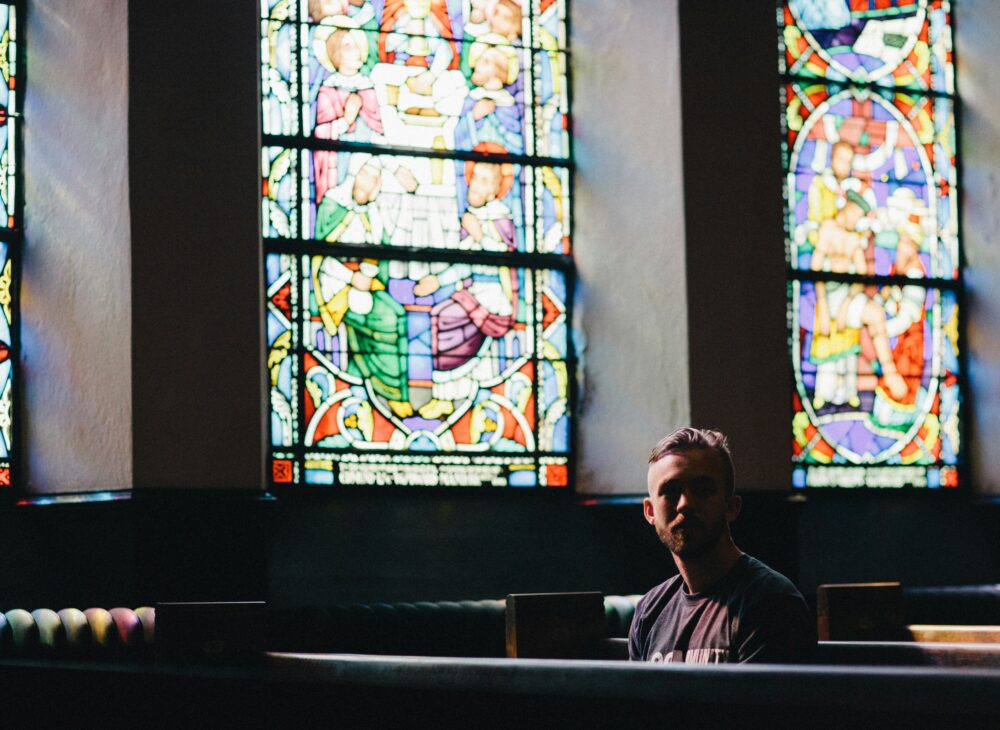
346	104
419	62
484	307
841	216
906	311
492	111
875	361
375	325
350	211
498	17
427	346
843	309
419	33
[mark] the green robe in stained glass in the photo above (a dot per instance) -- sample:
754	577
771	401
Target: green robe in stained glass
375	324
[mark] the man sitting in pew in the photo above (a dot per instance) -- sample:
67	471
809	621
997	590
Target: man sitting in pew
724	606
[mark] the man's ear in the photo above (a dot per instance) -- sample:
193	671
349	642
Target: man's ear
734	507
647	510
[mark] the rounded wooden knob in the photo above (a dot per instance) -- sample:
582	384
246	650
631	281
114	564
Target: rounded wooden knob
147	615
51	637
76	629
128	627
103	634
23	632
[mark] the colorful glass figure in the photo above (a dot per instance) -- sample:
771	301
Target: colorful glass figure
415	204
872	242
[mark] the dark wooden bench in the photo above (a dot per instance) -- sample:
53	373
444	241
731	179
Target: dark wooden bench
878	612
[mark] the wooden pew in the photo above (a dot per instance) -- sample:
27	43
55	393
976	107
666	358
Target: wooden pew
860	612
908	654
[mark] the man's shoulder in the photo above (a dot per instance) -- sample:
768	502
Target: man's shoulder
765	580
655	596
650	611
761	589
771	621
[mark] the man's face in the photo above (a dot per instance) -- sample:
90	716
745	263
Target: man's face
485	183
507	19
841	160
490	70
849	216
687	502
344	53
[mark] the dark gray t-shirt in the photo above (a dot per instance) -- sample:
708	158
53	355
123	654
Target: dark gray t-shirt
751	614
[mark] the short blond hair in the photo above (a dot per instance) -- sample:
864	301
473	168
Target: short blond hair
688	439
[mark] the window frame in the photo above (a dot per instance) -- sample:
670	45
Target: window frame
937	284
299	248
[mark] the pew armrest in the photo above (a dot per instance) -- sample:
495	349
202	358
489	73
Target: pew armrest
954	634
554	625
859	612
614	648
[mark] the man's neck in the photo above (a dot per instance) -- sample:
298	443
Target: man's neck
704	571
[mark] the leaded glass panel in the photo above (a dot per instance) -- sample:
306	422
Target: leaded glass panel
11	225
353	197
895	150
411	356
893	43
427	74
872	243
881	387
415	200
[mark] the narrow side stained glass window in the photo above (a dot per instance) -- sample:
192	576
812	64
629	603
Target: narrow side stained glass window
875	279
11	227
415	201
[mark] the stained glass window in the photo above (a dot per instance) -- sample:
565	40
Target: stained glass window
10	226
415	201
872	242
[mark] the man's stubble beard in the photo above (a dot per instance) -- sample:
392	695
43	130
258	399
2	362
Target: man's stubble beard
688	545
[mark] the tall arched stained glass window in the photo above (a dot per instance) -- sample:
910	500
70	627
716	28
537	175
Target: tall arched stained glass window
416	222
872	241
11	224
